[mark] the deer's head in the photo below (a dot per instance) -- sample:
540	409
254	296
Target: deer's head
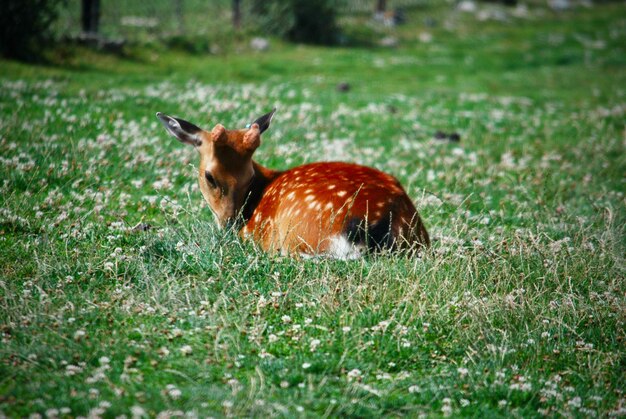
225	170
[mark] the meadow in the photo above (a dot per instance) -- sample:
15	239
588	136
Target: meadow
119	296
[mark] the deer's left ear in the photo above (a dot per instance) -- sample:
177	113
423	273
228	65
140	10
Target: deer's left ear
264	121
252	138
184	131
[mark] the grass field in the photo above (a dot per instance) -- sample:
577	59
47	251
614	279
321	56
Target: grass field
518	310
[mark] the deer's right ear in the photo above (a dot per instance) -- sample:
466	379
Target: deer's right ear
184	131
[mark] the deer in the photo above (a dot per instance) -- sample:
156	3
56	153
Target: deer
336	209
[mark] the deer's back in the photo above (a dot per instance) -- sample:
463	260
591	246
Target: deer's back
335	208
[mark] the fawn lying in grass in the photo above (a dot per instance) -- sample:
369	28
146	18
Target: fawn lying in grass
329	208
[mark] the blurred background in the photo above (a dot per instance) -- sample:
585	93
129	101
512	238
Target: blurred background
212	26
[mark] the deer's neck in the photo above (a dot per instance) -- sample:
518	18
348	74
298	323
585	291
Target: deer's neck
262	178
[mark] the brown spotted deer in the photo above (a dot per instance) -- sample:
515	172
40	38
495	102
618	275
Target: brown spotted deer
329	208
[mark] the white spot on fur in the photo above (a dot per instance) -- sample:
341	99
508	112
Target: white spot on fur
331	187
312	205
341	248
341	193
329	206
309	198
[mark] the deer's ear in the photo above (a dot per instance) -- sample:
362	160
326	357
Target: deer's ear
264	121
252	138
184	131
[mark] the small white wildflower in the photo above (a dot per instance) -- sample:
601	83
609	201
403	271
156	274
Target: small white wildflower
464	402
173	392
346	329
575	402
79	334
272	338
138	412
314	344
52	413
306	365
415	389
354	374
286	319
463	371
186	350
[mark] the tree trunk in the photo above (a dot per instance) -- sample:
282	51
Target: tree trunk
178	10
237	14
90	16
381	6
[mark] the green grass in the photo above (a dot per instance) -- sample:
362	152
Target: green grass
518	310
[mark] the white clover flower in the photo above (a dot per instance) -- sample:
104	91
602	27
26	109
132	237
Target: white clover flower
575	402
186	350
52	413
354	374
138	412
314	344
173	392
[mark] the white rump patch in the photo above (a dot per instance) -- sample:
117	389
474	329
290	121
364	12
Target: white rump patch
341	248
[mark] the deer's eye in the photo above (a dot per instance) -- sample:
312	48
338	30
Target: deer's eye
210	179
